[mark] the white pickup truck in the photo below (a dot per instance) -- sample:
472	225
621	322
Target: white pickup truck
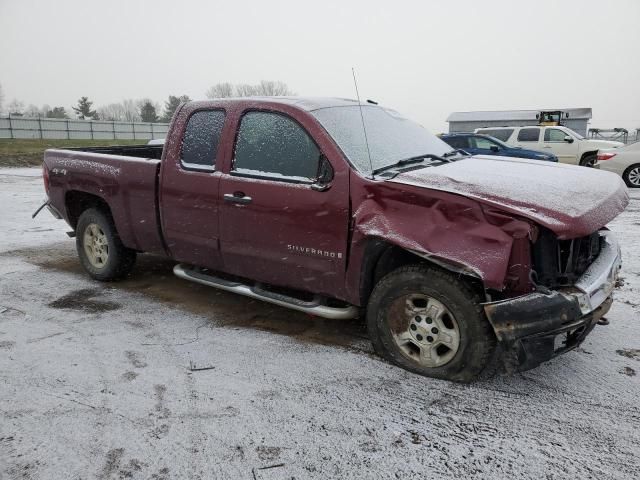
567	145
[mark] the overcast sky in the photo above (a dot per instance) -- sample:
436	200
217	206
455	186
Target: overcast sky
423	58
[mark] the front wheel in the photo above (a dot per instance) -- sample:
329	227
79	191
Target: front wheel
100	249
430	322
631	176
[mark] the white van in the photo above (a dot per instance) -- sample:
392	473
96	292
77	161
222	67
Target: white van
567	145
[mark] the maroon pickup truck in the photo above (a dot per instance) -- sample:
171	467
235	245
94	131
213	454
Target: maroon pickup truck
340	209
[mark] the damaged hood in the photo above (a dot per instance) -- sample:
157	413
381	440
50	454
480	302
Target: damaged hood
569	200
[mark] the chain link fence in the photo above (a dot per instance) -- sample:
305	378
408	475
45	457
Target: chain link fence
53	128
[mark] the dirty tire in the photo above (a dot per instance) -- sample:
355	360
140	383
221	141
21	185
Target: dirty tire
118	261
588	161
631	176
476	338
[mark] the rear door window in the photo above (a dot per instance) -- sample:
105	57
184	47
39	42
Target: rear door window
275	146
499	133
201	140
529	135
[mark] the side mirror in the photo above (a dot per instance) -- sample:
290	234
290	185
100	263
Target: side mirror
494	148
325	175
568	139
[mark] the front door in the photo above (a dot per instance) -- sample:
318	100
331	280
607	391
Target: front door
276	228
554	141
484	146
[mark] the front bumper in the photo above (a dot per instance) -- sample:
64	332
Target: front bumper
534	328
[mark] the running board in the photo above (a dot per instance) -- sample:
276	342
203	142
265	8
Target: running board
314	307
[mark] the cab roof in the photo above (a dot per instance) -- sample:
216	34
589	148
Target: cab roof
304	103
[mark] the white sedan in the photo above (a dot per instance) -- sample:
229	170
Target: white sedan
625	161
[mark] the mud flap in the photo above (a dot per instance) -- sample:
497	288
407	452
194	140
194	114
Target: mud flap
45	204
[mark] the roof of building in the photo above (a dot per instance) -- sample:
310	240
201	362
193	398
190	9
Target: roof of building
497	115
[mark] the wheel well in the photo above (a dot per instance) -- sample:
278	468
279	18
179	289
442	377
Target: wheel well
587	154
628	169
77	202
381	258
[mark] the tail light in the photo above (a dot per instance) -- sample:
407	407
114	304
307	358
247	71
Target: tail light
45	178
605	156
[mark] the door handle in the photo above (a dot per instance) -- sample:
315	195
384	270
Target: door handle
237	197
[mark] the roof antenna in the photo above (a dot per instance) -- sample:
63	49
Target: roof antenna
364	129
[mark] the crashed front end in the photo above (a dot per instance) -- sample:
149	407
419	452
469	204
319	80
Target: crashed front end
574	281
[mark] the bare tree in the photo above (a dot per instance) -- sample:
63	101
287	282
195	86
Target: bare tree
270	88
1	99
32	111
126	111
112	112
131	113
267	88
245	90
16	107
220	90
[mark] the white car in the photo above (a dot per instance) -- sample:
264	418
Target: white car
567	145
625	161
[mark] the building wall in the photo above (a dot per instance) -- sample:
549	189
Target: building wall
578	125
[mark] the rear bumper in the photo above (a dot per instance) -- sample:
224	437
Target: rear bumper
534	328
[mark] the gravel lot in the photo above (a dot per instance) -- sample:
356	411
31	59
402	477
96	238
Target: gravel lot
96	382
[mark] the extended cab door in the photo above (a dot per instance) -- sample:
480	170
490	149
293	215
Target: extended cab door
554	141
189	199
278	225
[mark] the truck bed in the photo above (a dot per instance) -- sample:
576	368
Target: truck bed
123	177
137	151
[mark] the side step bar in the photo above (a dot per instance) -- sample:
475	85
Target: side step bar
313	307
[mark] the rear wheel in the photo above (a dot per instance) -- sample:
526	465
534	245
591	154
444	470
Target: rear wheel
430	322
99	247
631	176
588	160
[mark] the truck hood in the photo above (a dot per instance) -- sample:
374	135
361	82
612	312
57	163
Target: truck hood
569	200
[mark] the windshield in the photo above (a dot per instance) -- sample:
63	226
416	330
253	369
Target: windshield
574	133
391	137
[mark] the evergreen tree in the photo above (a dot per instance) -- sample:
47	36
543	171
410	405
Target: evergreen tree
171	105
83	110
148	112
57	112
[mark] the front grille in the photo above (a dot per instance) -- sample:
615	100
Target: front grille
559	263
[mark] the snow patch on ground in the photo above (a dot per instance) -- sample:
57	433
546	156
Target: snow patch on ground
96	382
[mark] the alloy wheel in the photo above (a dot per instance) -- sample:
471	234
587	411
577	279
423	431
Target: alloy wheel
425	330
634	176
96	245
